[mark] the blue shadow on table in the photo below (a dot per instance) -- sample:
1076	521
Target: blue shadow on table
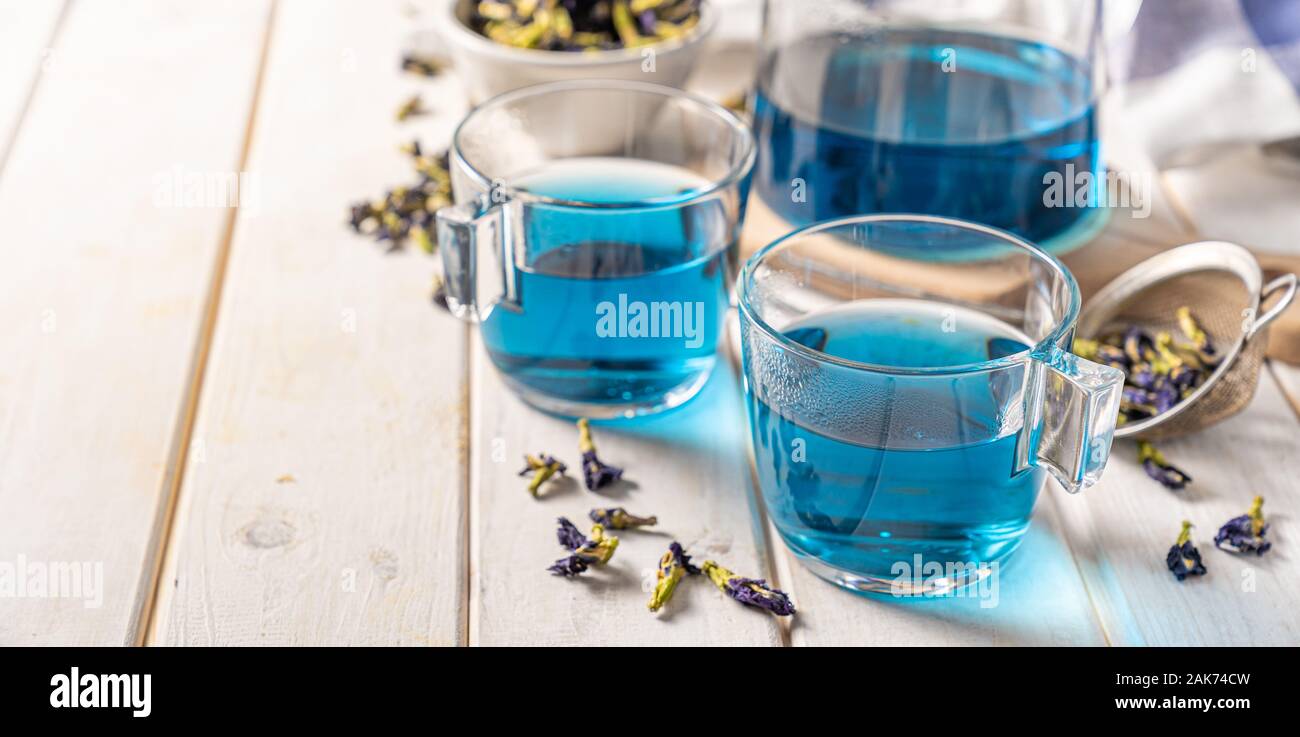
713	421
1036	598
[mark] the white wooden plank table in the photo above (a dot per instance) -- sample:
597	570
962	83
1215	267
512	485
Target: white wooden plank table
259	425
103	292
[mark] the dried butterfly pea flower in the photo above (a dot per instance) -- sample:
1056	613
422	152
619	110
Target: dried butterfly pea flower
1143	375
594	550
440	292
407	213
413	106
624	26
541	467
750	591
425	66
618	518
1245	534
568	567
1183	558
1136	401
1165	394
673	567
1137	345
583	25
1159	469
595	473
1200	341
1181	374
1103	353
570	537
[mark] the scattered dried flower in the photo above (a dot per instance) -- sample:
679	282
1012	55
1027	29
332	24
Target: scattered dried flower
673	566
618	518
1245	534
1136	344
1200	341
1159	469
440	292
412	107
594	550
541	467
570	537
1183	559
423	65
595	473
751	591
407	213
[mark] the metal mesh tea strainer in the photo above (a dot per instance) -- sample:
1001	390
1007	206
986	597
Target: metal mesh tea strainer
1223	286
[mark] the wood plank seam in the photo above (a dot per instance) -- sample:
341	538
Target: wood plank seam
465	458
145	620
8	147
777	574
1083	579
472	480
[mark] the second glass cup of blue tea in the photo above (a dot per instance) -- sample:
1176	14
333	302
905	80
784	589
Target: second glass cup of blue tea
905	412
594	240
968	109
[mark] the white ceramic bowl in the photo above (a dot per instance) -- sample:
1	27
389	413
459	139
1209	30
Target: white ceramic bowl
488	68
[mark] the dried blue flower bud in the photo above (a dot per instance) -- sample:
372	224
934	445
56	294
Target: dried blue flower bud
595	473
541	467
413	106
1183	559
425	66
1165	395
569	566
673	566
1180	372
570	537
577	25
1137	345
594	550
1142	375
750	591
1200	341
618	518
1245	534
1159	469
407	213
1112	356
1138	399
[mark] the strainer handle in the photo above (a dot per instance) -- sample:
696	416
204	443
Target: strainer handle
1071	405
1286	284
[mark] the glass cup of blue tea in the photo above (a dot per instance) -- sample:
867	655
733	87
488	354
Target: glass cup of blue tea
904	412
594	240
968	109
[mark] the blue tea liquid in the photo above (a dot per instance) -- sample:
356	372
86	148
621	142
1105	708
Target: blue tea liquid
920	121
932	477
618	309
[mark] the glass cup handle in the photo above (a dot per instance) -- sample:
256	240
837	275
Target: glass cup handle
1071	405
477	258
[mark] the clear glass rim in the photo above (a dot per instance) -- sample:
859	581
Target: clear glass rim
1063	325
739	128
